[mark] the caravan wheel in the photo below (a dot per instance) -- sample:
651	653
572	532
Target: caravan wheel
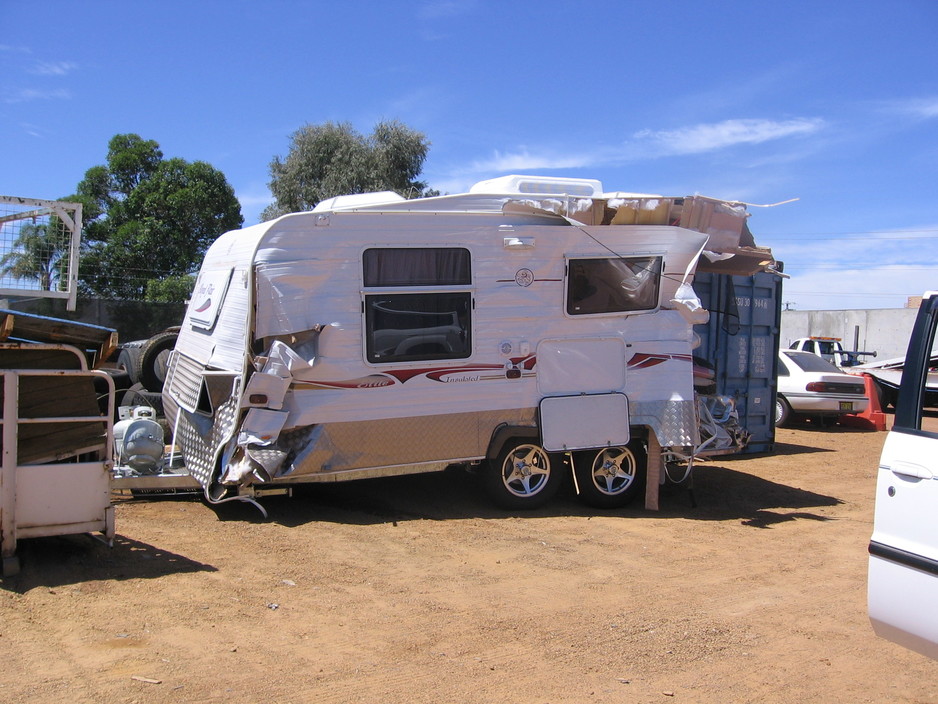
523	476
611	477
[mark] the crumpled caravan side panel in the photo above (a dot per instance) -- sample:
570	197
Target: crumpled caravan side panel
202	390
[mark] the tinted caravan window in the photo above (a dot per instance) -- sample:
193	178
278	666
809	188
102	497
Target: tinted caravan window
417	325
612	285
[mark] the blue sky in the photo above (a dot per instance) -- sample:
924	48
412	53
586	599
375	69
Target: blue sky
833	103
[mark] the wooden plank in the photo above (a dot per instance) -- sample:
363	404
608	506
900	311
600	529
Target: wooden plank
6	326
58	397
39	357
653	476
37	328
26	215
54	442
107	349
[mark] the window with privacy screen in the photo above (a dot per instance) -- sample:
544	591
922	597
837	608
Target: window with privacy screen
418	304
612	285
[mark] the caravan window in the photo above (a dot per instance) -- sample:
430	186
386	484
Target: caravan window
612	285
421	324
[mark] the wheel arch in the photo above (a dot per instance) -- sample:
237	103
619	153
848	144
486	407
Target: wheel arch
505	433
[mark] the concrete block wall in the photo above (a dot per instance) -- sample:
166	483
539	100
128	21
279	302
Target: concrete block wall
885	331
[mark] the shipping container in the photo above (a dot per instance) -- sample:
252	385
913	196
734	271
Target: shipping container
740	342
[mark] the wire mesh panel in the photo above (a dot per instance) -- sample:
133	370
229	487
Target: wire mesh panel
39	242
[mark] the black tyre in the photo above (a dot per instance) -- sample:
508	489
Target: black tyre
611	477
782	411
523	476
154	360
121	383
128	360
136	396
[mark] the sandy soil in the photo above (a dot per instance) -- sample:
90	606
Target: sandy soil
415	590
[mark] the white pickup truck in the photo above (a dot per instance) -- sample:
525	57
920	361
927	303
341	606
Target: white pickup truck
831	349
903	563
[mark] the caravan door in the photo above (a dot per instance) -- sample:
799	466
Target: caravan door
903	563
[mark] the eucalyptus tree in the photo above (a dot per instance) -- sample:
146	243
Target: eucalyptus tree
334	159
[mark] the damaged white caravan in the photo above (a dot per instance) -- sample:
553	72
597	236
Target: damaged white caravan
530	324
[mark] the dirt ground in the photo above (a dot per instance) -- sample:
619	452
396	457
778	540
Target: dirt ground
415	590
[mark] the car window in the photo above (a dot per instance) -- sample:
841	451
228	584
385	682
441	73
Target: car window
812	363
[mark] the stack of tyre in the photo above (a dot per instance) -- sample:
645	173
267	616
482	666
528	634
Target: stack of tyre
144	362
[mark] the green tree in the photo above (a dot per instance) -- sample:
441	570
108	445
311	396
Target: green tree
39	252
171	289
148	218
334	159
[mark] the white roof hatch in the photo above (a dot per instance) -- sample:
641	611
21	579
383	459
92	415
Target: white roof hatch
541	185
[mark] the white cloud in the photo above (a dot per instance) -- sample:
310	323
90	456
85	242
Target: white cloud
919	108
865	270
452	183
25	95
423	104
53	68
646	144
253	199
435	18
847	289
32	130
912	246
720	135
524	160
435	9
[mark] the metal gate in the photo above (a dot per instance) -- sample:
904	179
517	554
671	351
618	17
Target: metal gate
39	241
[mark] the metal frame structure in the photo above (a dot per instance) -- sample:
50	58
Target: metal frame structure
67	491
69	214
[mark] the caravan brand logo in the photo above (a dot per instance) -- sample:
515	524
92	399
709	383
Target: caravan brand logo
207	297
372	381
524	277
206	291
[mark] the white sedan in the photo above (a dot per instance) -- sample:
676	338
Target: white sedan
812	386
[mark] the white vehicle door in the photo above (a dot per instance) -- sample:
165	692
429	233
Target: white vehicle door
903	564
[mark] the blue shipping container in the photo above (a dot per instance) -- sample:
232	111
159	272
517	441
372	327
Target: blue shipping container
741	343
